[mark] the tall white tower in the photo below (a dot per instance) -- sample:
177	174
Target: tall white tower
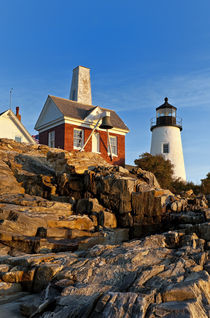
166	137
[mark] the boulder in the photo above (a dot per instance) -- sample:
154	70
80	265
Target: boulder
88	206
146	176
203	230
8	183
207	215
179	309
148	212
195	286
74	162
44	275
73	222
107	219
116	304
9	288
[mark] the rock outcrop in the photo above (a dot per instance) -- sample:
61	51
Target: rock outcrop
88	239
165	275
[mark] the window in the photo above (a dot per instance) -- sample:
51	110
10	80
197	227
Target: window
51	139
113	143
78	138
18	139
165	148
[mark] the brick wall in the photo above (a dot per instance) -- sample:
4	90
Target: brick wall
69	135
59	136
120	159
64	139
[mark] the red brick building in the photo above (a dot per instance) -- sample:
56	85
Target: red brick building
67	124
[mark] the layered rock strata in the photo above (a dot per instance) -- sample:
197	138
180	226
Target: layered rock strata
165	275
65	224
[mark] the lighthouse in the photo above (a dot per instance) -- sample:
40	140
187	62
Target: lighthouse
166	137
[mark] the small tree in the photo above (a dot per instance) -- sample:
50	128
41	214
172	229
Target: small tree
205	184
163	170
161	167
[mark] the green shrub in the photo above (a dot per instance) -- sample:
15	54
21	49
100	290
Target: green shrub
163	170
178	186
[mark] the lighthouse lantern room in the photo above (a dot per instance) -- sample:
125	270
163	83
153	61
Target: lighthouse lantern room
166	137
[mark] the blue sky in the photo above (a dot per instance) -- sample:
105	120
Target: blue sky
139	51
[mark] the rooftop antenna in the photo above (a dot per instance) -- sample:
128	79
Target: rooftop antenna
10	98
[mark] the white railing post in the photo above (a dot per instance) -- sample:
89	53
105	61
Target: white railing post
110	148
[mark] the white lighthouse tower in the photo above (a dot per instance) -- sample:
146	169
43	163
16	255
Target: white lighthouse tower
166	137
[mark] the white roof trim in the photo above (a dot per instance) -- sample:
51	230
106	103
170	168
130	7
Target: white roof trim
91	125
94	115
79	123
39	127
51	124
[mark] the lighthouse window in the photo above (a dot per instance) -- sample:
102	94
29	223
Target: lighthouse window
165	148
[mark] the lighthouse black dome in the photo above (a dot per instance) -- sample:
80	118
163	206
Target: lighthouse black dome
166	105
166	116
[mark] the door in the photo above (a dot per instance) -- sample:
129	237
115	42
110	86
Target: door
96	142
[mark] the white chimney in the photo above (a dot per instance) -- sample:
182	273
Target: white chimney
80	85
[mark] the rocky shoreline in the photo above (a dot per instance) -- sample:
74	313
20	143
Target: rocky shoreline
82	238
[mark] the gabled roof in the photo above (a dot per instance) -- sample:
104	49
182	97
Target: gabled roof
9	113
80	111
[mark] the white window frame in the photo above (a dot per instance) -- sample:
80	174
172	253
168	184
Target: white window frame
113	144
18	138
80	143
51	139
163	145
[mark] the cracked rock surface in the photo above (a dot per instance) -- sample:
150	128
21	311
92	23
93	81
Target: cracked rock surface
82	238
140	278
